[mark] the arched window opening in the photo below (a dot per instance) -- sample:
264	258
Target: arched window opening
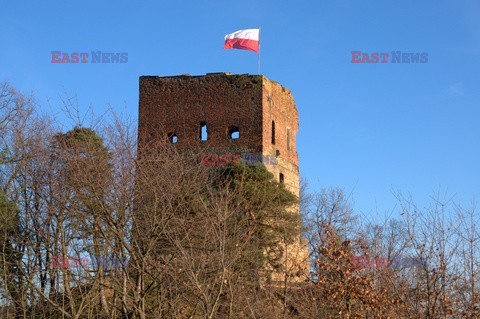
288	139
203	131
234	132
273	132
172	137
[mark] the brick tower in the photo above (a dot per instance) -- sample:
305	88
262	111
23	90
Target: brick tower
235	111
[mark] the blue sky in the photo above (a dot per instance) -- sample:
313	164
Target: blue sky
368	128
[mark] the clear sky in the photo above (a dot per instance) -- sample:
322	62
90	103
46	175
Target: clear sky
368	128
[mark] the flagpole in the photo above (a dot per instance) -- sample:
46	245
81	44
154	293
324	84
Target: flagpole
258	61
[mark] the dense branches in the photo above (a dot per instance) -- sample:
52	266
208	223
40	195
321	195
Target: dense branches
91	229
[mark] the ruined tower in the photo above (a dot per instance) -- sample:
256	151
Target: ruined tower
237	111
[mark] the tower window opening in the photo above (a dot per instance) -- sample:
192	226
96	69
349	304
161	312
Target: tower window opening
203	131
273	132
288	139
234	132
172	138
282	178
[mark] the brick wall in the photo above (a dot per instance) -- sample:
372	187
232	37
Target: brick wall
180	104
177	105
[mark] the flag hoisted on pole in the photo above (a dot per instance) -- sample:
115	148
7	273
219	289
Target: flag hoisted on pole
258	61
248	39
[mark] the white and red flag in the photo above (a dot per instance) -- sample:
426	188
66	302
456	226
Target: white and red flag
248	39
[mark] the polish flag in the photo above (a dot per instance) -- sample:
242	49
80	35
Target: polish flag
248	39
